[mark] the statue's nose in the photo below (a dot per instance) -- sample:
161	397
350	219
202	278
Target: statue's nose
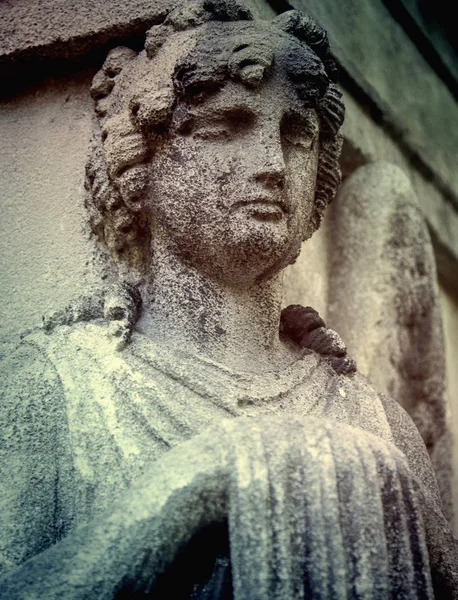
272	178
269	163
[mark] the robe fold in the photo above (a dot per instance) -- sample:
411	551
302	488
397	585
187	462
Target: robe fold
81	423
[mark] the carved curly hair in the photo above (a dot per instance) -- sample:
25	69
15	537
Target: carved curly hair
130	125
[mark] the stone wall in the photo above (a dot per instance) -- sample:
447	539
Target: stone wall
45	254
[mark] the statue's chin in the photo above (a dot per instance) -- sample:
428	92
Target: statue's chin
244	264
235	251
261	246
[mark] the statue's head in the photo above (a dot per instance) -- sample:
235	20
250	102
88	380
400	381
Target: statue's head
220	141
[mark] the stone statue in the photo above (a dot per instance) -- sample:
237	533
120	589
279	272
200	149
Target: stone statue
177	435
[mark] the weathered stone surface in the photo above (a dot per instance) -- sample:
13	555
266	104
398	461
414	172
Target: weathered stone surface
204	230
71	29
367	142
450	320
45	255
68	31
384	299
271	488
369	43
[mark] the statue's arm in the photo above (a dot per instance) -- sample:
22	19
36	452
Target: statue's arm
442	544
408	439
32	423
240	470
130	545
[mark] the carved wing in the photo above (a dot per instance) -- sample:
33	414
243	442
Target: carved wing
384	300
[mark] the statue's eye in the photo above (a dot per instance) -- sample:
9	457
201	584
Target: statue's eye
212	132
295	139
298	132
226	125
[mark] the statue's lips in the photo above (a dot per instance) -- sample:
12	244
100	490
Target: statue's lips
262	208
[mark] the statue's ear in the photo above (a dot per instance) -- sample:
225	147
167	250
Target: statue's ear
105	79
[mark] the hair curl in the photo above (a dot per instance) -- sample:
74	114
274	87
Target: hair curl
116	173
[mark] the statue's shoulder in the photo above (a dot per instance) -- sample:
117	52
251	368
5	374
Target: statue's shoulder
365	407
74	343
407	438
25	369
33	366
353	399
35	450
73	335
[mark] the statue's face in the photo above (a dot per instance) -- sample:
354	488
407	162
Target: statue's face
232	187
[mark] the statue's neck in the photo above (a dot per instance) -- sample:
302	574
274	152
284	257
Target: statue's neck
235	326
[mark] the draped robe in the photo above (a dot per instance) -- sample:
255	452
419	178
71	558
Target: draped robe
82	423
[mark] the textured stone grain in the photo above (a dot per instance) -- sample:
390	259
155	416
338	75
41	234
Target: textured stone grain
45	254
368	43
389	313
125	403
